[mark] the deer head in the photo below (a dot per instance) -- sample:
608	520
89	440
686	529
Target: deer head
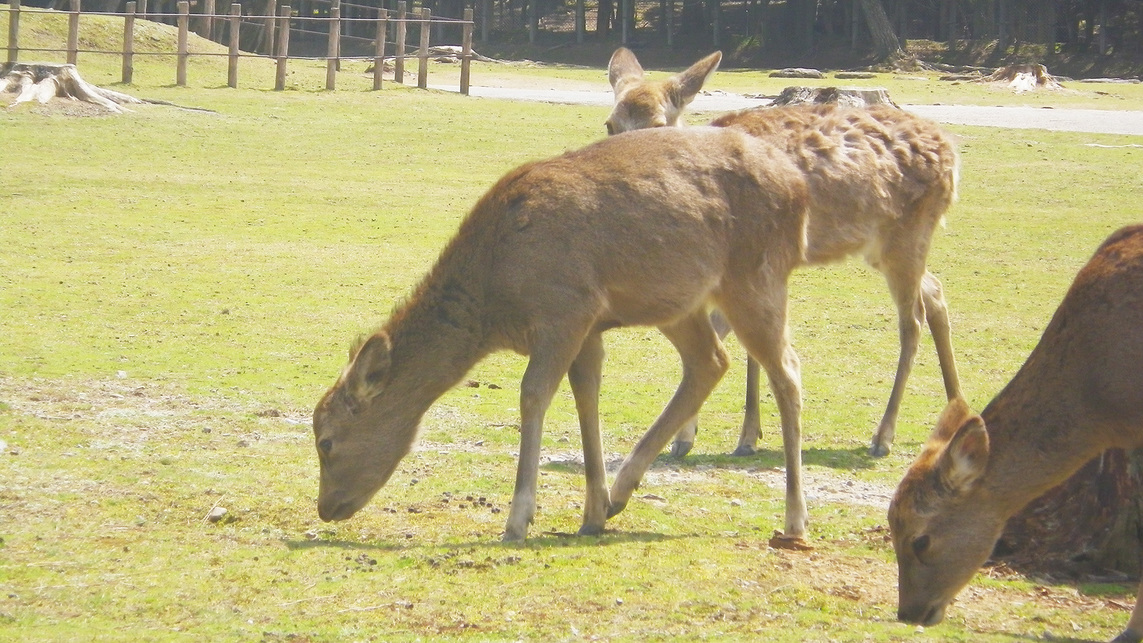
640	103
362	429
941	520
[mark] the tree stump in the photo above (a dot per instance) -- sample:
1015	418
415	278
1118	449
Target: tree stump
1024	78
1091	525
846	96
42	82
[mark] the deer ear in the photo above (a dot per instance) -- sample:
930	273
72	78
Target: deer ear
368	373
954	415
690	82
965	457
624	67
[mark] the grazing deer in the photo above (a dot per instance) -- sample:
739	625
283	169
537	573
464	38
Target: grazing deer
880	182
1079	393
557	252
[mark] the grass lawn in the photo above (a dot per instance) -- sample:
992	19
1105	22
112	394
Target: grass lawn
178	288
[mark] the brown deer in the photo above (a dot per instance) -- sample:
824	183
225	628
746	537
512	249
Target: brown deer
1079	393
557	252
880	182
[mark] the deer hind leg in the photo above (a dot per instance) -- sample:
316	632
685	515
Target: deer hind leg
548	363
760	323
584	377
937	316
685	440
704	363
905	286
1134	631
752	419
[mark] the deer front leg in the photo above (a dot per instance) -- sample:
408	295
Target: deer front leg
546	367
704	363
584	377
759	320
1134	631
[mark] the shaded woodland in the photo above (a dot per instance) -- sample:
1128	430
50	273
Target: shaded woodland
752	30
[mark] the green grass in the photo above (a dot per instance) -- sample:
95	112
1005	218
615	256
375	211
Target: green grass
178	288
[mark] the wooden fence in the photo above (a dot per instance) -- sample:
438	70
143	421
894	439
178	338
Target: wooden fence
278	26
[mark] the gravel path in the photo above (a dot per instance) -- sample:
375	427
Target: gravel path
1072	120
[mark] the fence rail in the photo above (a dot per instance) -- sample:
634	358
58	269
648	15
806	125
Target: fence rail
277	28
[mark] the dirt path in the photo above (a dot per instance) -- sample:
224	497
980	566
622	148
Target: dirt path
1070	120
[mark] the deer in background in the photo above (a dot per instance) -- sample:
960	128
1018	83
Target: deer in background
1079	393
557	252
880	181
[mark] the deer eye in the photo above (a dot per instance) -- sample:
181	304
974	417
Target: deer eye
326	446
921	545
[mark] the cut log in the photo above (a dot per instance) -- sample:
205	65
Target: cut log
847	96
43	81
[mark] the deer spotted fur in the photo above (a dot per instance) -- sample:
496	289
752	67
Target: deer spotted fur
880	181
1079	393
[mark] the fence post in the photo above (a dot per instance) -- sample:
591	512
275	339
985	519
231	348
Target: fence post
13	30
184	21
73	33
379	52
208	20
283	46
334	45
466	52
670	23
580	20
129	43
423	52
232	59
399	61
268	28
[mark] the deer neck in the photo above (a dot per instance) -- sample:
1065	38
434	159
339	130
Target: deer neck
437	336
1036	441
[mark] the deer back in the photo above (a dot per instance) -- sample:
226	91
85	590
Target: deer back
638	229
875	174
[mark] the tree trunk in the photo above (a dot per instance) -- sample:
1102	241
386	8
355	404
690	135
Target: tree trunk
885	43
1092	524
603	18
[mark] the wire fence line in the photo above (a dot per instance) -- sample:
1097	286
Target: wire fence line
270	35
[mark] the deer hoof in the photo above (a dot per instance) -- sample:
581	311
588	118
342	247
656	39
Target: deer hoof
680	449
590	530
879	450
743	451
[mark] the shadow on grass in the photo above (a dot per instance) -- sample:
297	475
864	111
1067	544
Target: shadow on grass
544	540
844	459
841	459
